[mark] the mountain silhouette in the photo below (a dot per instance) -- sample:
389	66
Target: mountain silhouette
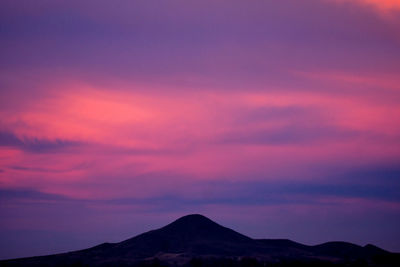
195	240
193	234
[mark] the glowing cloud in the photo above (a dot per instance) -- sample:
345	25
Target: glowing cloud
385	5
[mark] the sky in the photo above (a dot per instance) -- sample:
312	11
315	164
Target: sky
279	119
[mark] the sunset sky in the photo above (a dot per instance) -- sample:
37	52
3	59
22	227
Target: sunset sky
279	119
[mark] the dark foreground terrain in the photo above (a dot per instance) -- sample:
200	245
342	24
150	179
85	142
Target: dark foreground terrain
195	240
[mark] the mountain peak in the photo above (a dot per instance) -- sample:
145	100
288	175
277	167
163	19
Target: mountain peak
192	219
194	234
194	216
197	226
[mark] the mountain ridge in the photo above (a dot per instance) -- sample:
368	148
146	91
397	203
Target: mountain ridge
195	236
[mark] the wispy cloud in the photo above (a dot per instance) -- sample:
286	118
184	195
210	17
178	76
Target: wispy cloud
35	145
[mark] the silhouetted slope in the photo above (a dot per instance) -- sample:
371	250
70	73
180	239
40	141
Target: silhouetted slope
371	249
197	237
340	250
282	243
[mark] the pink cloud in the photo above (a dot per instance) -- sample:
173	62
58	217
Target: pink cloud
122	133
383	4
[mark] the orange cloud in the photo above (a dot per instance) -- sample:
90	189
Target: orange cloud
384	5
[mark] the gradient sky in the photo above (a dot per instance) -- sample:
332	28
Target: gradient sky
279	119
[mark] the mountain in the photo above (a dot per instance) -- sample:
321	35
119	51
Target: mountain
195	240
